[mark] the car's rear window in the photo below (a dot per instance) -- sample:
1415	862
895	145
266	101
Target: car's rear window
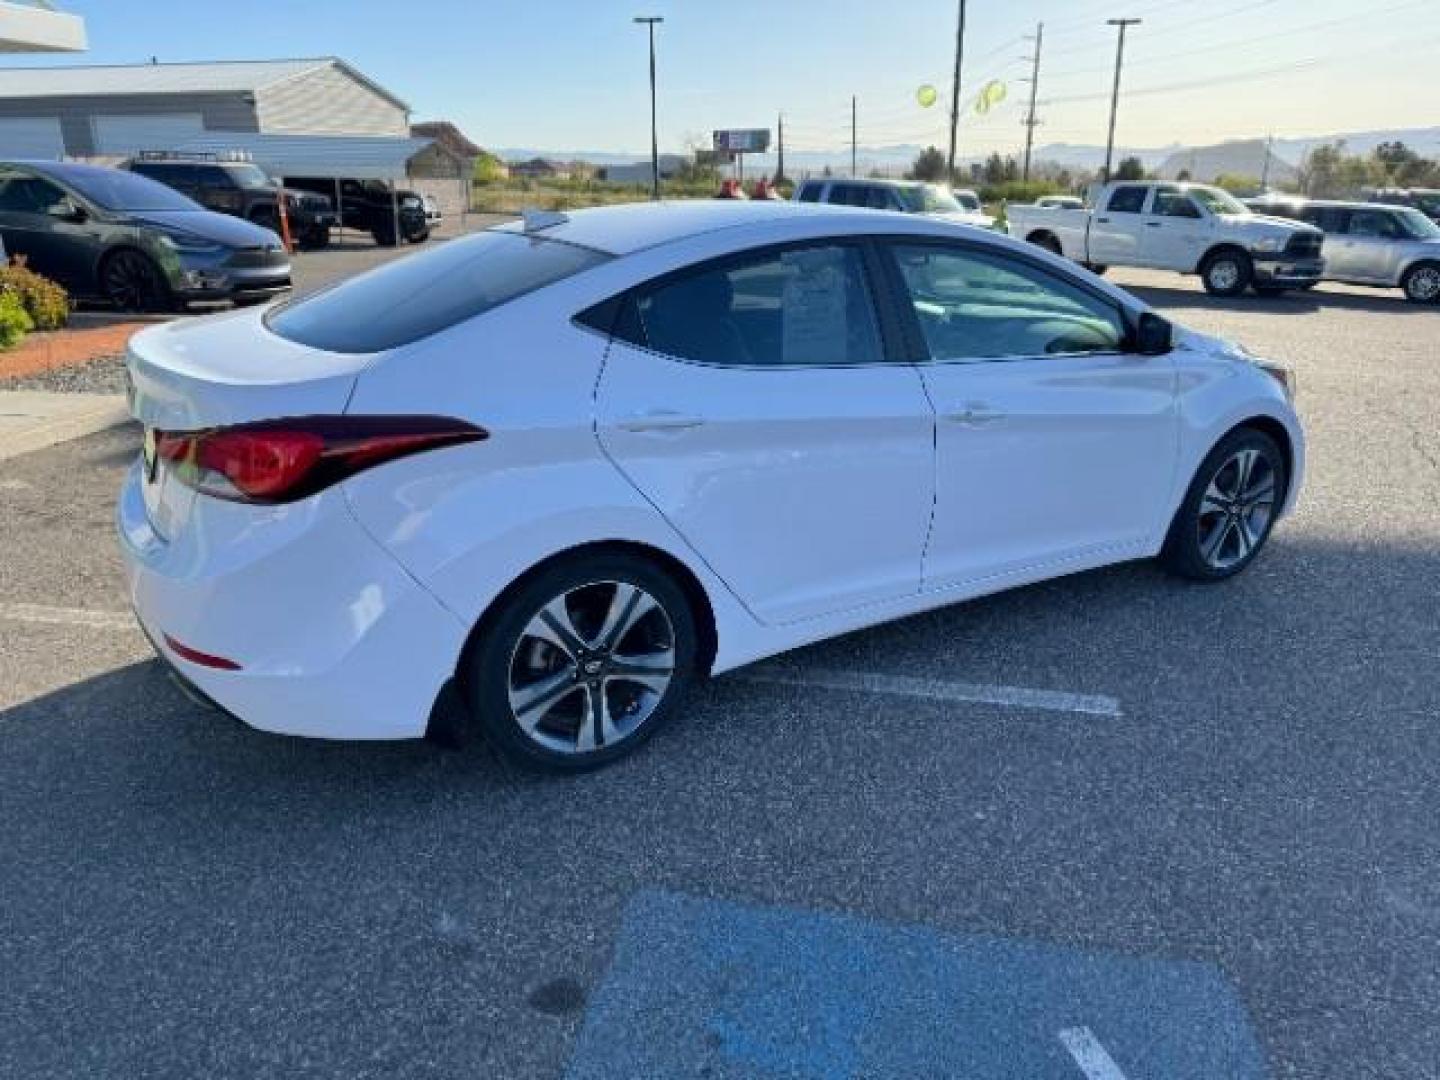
415	297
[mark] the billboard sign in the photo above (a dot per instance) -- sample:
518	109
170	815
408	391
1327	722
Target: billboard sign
743	140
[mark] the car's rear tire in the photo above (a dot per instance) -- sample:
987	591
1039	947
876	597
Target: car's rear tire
582	662
1229	508
384	237
1422	283
132	281
1227	272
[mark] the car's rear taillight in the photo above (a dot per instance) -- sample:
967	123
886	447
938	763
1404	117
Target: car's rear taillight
277	461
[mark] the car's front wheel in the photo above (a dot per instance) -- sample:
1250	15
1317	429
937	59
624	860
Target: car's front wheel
582	663
1228	272
1229	509
133	282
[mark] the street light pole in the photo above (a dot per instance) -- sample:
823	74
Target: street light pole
650	21
1115	93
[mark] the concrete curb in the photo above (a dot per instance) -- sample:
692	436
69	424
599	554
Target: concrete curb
32	419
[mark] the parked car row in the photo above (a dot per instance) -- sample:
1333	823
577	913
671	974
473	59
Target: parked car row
241	189
1188	228
164	231
909	197
1389	247
115	235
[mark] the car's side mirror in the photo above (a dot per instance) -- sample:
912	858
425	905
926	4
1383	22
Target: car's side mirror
1154	336
65	210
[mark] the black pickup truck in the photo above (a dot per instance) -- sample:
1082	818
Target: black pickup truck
242	189
367	205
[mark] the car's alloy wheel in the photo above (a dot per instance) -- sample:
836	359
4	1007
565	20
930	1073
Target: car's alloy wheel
1422	284
132	282
1229	509
1237	509
583	663
591	666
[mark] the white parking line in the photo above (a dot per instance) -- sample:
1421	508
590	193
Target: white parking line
937	690
1085	1048
65	616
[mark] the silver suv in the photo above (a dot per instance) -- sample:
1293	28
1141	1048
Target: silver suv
1392	247
906	196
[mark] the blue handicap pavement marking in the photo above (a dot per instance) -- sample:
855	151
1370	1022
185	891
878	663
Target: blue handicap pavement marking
700	988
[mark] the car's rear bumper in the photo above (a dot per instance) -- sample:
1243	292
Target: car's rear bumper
332	638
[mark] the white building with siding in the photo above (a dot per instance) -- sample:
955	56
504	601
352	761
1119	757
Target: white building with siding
115	111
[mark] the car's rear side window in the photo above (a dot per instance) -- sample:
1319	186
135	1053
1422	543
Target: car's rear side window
415	297
809	192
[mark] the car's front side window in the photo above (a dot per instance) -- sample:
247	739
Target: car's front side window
1173	202
972	305
805	306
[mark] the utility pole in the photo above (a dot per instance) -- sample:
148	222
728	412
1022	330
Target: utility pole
1265	165
854	128
1115	93
1030	121
955	93
650	21
780	158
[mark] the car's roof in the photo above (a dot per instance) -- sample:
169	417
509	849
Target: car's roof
631	227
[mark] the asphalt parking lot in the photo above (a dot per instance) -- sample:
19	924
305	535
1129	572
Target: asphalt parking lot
1114	826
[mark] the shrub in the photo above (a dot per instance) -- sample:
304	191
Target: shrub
47	304
14	322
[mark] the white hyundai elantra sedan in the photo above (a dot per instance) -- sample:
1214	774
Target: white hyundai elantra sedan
539	479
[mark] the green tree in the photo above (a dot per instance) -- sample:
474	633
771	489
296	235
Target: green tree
994	169
1183	176
488	168
929	165
1130	168
1238	183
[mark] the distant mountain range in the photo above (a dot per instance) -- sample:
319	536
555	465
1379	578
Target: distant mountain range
1203	162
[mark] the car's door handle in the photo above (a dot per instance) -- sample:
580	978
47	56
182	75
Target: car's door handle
1152	224
659	420
974	415
1103	220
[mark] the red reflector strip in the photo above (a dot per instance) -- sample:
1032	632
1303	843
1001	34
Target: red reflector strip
195	656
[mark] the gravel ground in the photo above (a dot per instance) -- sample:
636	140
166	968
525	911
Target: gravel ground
103	376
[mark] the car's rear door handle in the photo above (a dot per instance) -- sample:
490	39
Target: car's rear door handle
1152	224
659	420
1102	220
974	415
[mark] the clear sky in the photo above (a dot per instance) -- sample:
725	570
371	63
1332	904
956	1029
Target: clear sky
571	74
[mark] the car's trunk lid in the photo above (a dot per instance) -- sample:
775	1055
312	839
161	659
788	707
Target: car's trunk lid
217	372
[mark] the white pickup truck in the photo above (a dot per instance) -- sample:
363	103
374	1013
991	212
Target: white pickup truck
1188	228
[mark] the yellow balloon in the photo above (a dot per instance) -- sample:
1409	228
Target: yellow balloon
927	95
